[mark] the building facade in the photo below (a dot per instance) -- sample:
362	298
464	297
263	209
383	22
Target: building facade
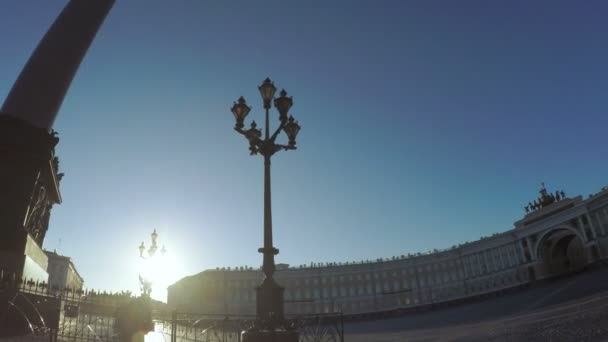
62	273
558	235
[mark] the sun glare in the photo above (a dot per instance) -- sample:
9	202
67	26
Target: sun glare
161	271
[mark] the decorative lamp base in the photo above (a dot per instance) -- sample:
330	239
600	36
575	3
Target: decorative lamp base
269	297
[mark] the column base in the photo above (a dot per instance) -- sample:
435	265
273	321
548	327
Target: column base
269	297
269	336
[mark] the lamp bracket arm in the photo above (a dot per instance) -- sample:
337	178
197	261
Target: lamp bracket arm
257	142
278	130
285	147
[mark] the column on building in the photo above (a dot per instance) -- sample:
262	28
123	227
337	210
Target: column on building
530	248
582	228
521	251
591	226
490	262
509	251
478	258
605	211
494	255
473	265
501	254
600	222
419	288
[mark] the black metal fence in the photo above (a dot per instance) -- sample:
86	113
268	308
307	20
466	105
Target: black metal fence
76	315
32	308
193	327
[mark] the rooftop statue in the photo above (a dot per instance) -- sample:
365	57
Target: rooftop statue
544	199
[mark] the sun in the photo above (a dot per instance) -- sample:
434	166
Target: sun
162	271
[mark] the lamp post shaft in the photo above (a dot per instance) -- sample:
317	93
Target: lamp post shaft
269	253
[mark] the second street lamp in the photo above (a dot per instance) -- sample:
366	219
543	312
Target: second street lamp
269	296
144	281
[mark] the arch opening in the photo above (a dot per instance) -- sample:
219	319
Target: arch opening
562	252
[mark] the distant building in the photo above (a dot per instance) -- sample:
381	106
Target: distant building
557	235
62	272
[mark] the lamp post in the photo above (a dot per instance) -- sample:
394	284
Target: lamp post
269	295
144	282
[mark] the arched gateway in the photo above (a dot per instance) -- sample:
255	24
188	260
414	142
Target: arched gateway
562	251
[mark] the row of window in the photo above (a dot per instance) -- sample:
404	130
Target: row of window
442	272
491	260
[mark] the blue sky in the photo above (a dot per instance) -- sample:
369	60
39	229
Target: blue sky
424	124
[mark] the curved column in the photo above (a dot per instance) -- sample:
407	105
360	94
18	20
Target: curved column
41	87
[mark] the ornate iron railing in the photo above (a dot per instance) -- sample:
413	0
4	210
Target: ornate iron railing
86	315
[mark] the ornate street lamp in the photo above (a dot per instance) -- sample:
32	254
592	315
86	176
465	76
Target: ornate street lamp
146	284
270	323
